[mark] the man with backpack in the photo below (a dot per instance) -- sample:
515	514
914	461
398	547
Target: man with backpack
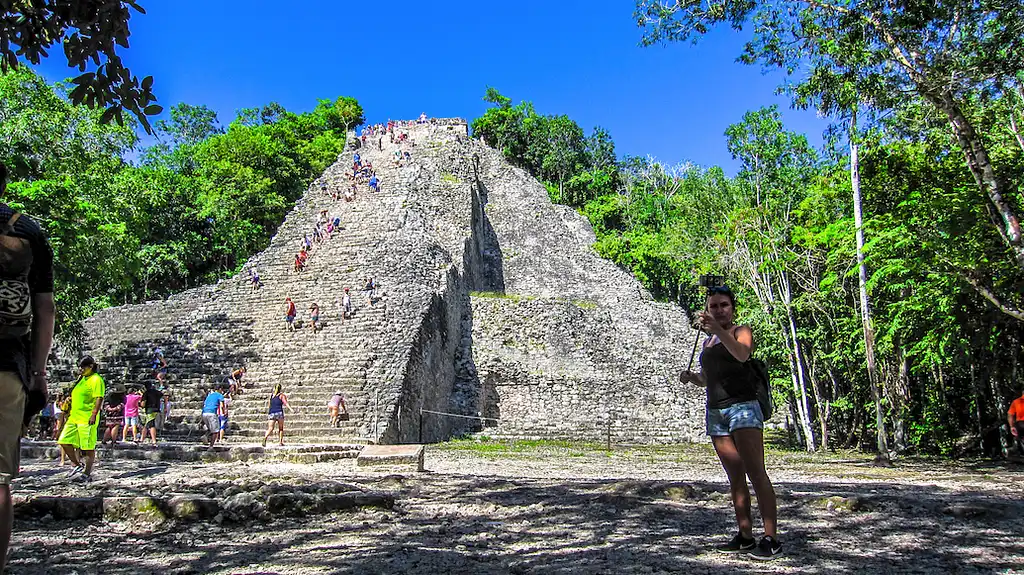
26	334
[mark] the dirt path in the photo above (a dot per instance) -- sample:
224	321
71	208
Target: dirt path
547	509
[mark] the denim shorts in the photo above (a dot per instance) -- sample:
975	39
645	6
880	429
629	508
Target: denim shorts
743	415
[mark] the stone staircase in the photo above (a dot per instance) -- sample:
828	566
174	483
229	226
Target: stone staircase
492	303
234	326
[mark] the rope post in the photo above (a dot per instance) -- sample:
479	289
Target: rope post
421	427
608	434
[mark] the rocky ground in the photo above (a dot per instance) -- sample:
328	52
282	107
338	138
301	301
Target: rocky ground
522	508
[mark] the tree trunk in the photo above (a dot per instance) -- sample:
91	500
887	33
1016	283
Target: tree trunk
976	154
797	427
820	400
978	418
899	398
865	309
800	383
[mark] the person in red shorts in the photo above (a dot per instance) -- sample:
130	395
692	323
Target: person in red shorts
1015	417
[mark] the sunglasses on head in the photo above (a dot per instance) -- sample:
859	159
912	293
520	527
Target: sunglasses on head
719	290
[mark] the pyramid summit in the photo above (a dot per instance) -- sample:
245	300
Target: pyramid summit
490	312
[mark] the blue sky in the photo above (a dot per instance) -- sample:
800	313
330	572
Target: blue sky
400	58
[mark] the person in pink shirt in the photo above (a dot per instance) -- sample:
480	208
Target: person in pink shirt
131	415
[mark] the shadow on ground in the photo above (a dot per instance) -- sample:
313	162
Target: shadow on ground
466	524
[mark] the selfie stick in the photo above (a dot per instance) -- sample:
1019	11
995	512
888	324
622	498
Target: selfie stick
694	352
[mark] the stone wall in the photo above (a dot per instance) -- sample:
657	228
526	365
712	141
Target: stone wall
492	303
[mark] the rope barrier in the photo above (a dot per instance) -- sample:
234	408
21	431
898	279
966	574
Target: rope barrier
422	411
457	415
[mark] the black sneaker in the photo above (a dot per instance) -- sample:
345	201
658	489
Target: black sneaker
768	548
738	544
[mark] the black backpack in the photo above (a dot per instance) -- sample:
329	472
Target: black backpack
15	293
763	386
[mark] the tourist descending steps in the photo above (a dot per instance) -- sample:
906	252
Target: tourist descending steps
336	408
113	412
165	408
46	420
314	317
131	414
275	414
159	365
151	400
254	280
735	421
290	313
346	305
61	406
223	414
370	290
78	440
213	406
234	381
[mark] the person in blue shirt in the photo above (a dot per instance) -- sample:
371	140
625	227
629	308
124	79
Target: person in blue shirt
159	365
373	182
211	415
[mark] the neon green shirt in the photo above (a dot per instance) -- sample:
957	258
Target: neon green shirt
83	399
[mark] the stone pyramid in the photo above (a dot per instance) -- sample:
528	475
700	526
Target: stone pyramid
493	315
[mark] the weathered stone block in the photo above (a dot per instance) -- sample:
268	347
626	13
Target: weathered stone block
391	456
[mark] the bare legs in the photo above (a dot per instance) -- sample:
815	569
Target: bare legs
135	433
742	456
6	523
270	429
72	453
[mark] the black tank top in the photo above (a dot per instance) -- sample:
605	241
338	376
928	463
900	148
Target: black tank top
730	380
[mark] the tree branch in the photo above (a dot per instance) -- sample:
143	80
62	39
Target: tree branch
1009	309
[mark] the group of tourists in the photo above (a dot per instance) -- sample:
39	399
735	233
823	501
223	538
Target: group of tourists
395	136
323	229
216	409
343	304
139	410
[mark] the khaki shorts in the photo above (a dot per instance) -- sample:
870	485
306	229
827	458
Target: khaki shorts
80	435
12	412
212	422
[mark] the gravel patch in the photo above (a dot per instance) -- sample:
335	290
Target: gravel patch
539	510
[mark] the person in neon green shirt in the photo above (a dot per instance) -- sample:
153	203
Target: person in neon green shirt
79	432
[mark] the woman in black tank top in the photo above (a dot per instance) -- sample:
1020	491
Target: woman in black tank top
734	421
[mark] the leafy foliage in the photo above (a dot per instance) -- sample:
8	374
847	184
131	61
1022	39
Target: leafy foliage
87	31
197	205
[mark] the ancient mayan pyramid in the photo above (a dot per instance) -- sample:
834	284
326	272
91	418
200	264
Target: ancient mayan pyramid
492	304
